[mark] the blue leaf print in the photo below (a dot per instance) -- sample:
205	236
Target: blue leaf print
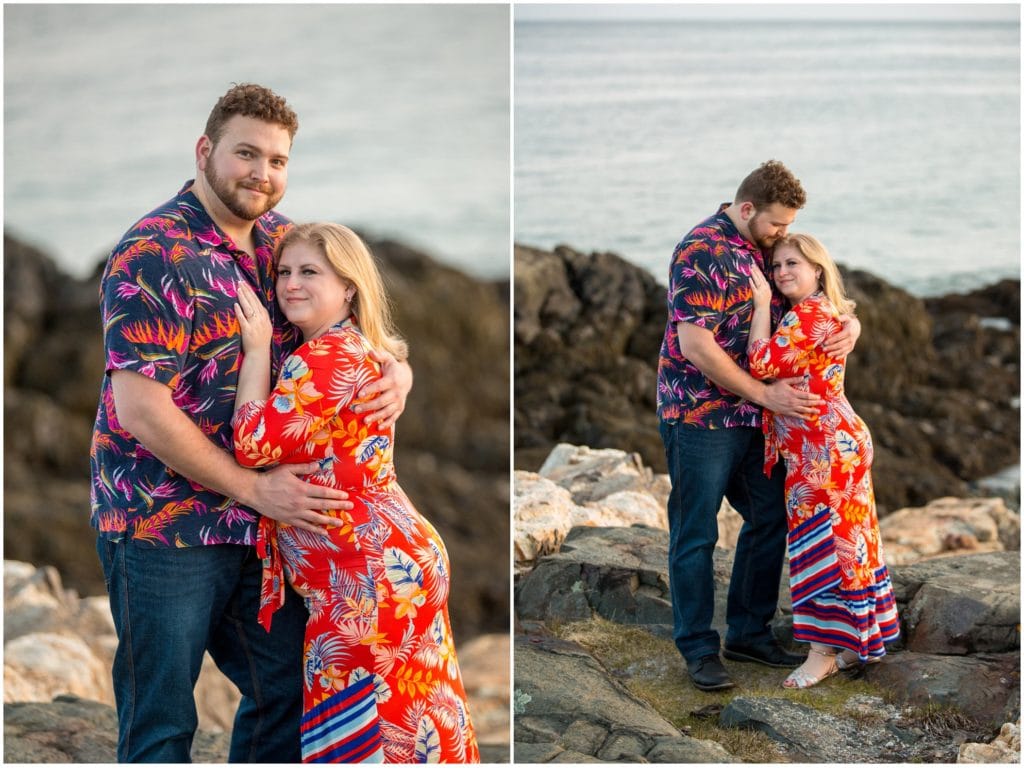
846	443
428	742
371	446
294	367
401	569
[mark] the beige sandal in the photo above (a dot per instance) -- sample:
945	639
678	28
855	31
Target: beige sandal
852	661
799	679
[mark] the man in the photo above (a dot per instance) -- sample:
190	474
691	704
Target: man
175	514
709	410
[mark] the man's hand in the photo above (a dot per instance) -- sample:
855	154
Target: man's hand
145	408
840	344
784	398
281	495
385	399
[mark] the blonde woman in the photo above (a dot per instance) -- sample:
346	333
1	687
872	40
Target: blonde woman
382	682
843	603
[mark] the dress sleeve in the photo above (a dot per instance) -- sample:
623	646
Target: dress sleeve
146	312
317	381
785	354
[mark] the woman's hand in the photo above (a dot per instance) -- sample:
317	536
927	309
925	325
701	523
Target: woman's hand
761	288
253	322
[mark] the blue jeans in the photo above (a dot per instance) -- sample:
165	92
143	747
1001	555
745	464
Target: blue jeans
169	606
705	466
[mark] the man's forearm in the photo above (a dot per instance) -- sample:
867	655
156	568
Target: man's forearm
699	347
145	408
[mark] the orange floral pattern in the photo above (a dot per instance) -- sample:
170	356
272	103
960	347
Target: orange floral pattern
382	682
842	594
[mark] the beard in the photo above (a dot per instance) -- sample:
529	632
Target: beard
227	192
763	241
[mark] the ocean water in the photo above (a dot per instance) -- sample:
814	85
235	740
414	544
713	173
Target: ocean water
403	113
905	135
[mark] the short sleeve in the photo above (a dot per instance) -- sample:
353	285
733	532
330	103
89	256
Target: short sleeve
801	330
316	383
146	311
698	284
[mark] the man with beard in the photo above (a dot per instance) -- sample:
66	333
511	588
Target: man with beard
709	410
176	516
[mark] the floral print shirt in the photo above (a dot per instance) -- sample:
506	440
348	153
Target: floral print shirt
709	286
166	300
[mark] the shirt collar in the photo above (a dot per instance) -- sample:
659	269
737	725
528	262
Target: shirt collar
731	233
203	226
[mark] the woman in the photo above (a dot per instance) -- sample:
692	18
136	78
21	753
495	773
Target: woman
843	603
382	681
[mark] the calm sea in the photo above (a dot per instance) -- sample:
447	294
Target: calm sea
906	136
403	112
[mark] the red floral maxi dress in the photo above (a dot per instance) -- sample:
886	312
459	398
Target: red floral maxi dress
842	595
382	681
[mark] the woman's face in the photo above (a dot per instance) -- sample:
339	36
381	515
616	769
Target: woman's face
794	276
311	294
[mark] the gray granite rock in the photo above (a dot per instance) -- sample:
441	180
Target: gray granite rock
70	730
867	730
570	709
620	574
985	687
960	605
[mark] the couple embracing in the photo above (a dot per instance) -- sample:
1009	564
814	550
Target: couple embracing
751	408
244	439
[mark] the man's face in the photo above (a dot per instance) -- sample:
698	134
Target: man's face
248	168
767	226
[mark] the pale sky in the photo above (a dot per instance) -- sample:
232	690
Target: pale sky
998	12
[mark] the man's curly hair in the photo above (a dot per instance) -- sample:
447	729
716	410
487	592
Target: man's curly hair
250	100
771	183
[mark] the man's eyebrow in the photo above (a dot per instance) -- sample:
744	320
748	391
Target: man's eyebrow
254	148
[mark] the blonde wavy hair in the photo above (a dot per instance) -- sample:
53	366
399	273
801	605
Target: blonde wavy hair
350	258
831	281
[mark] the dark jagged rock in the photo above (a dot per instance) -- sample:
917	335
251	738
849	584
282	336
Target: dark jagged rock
936	380
585	328
453	443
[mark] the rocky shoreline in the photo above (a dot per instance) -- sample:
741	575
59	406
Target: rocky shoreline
597	677
58	696
937	380
457	474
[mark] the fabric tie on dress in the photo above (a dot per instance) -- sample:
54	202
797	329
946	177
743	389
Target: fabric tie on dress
272	589
771	442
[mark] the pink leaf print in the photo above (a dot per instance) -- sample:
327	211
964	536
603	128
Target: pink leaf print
209	237
127	290
209	371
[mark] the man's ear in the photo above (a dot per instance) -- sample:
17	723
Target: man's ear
747	209
203	149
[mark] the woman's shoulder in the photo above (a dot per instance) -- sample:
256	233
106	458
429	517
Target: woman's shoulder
816	305
340	342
